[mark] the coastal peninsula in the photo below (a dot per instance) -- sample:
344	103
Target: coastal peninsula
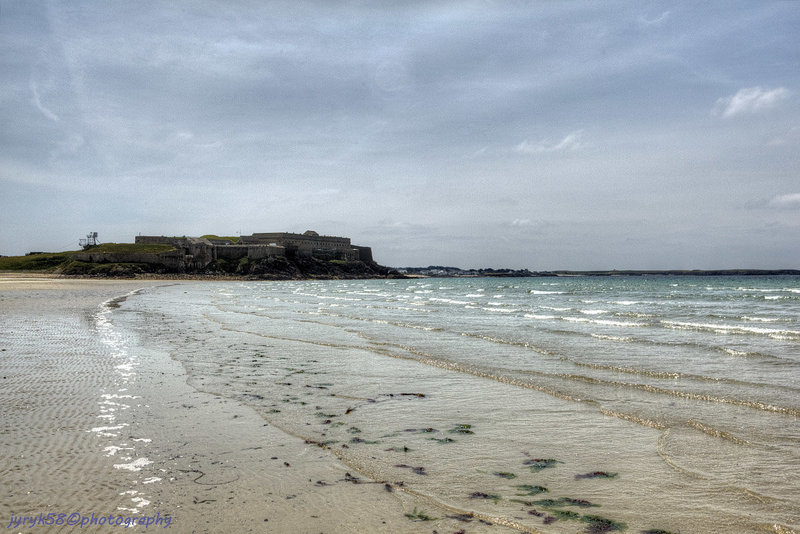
268	256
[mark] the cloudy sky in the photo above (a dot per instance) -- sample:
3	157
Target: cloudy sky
545	135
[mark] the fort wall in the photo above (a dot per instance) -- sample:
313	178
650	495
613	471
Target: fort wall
198	252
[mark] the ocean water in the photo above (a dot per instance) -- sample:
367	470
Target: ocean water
574	404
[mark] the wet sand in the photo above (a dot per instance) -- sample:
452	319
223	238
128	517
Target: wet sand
94	424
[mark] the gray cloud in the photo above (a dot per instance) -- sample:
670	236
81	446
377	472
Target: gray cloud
788	201
553	135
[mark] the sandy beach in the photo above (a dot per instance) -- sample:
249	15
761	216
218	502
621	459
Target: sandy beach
96	430
419	406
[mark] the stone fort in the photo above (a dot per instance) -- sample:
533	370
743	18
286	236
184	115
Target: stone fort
199	252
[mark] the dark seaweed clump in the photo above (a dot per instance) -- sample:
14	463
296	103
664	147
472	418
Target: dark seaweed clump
530	490
596	474
481	495
505	474
418	470
561	502
601	525
462	429
537	464
464	518
360	440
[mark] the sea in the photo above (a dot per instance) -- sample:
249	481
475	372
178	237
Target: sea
650	404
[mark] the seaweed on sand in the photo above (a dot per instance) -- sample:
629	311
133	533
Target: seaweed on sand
596	474
464	518
561	502
462	428
504	474
566	515
537	464
419	516
488	496
601	525
418	470
530	490
361	440
350	478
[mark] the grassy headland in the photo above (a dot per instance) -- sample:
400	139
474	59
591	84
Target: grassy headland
273	268
41	262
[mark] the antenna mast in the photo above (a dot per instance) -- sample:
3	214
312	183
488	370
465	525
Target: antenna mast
90	241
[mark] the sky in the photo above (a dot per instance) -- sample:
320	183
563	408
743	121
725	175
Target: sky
541	135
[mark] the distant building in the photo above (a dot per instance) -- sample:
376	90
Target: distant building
311	244
198	252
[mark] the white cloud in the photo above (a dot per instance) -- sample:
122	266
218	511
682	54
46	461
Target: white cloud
657	21
521	222
573	141
37	101
792	200
750	100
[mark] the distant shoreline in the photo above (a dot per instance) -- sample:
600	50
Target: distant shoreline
455	272
696	272
419	272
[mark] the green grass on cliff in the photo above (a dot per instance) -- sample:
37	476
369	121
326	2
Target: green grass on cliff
131	248
52	261
232	239
47	261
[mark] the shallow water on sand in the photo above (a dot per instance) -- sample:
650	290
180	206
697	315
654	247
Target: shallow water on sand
65	377
98	427
550	405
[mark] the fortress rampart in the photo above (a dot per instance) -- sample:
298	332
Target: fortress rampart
196	253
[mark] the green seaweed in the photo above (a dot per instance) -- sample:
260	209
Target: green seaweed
419	515
537	464
442	440
530	490
489	496
505	474
600	525
566	515
354	430
561	502
656	531
462	429
546	503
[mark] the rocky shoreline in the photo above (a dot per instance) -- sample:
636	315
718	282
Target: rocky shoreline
267	269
